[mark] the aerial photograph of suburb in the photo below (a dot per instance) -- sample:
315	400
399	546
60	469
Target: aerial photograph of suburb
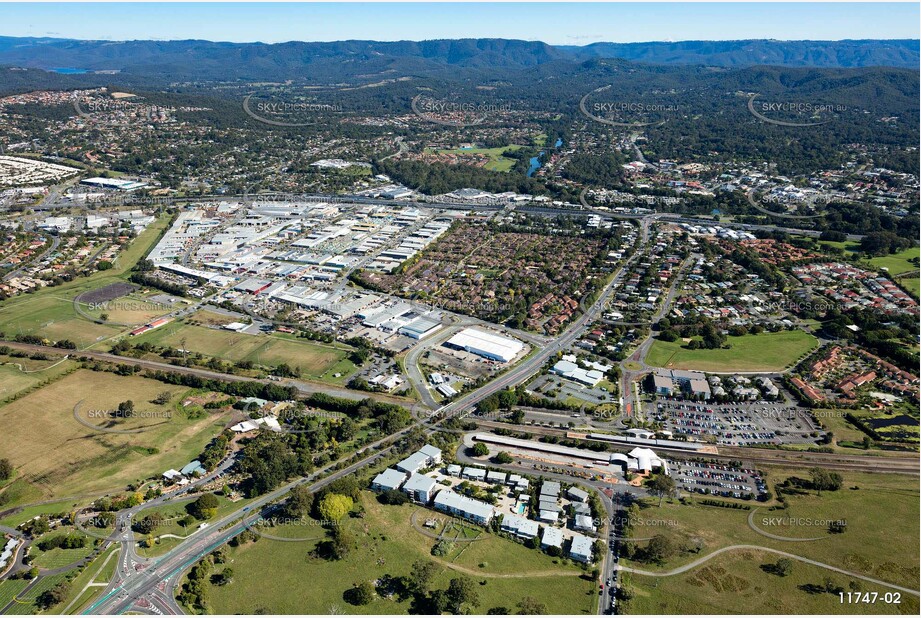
460	308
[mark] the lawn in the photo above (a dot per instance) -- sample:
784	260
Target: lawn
866	546
14	380
135	309
57	558
898	263
100	570
86	460
911	284
388	544
172	513
25	603
497	162
316	360
762	352
737	584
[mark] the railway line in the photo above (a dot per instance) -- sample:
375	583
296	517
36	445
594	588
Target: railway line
908	464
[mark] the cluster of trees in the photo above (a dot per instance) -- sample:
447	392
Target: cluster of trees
459	597
153	281
693	326
53	596
63	541
269	391
6	469
439	178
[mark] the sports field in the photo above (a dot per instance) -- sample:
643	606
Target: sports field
86	459
387	544
49	312
762	352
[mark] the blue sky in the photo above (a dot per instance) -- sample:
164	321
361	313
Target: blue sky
555	23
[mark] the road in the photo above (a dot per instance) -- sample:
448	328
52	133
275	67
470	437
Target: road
635	365
126	589
303	386
148	586
55	242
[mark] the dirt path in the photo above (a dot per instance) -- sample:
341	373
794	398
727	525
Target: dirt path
703	559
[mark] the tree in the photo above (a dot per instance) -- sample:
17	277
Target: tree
662	485
421	576
342	543
783	567
503	458
824	480
6	469
361	594
205	507
163	398
126	409
299	503
55	595
480	450
461	590
517	416
149	523
660	548
531	606
334	507
393	496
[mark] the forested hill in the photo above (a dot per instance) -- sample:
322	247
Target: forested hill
207	60
840	54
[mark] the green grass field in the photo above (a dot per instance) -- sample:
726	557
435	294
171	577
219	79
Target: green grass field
866	547
84	459
497	162
25	601
848	245
912	285
100	570
49	312
737	584
763	352
315	360
57	558
900	262
505	571
14	379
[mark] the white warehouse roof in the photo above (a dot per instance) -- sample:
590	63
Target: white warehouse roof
486	344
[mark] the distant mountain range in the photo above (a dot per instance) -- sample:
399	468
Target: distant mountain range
195	59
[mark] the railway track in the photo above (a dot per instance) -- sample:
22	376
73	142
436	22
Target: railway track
908	464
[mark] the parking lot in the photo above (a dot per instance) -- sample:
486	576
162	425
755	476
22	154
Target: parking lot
717	479
739	424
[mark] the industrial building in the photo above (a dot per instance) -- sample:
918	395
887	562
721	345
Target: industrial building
487	345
